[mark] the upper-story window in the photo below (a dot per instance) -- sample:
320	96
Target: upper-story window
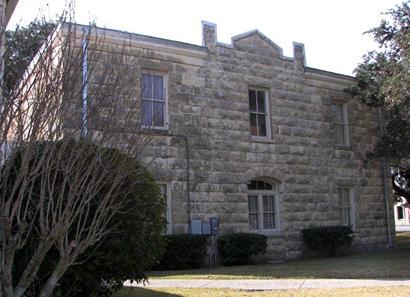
340	120
154	100
259	112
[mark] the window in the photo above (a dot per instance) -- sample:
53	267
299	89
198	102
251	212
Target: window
400	213
341	135
346	207
154	100
262	206
165	192
259	112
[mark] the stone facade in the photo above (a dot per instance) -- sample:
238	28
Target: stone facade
207	137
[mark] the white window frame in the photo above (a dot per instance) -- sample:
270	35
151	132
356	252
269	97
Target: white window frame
344	124
165	86
168	206
267	114
350	208
260	194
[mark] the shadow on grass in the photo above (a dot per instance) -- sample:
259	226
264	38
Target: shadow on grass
392	263
141	292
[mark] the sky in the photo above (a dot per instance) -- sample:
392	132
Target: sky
332	30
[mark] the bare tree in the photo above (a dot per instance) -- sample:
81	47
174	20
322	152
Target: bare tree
60	180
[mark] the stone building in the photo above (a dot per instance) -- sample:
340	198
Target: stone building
259	140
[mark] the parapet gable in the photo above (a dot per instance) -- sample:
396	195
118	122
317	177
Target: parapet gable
256	40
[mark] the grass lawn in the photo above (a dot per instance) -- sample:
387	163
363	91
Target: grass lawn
392	263
362	292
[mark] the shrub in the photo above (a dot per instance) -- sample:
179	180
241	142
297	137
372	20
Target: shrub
327	239
239	248
131	247
183	251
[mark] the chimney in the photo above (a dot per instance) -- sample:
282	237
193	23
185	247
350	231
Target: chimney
208	33
299	56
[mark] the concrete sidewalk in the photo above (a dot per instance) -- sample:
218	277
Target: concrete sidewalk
270	284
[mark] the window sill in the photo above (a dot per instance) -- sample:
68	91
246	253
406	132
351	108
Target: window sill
343	147
155	131
266	232
261	139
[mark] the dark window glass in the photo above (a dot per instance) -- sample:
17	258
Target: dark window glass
153	100
146	85
158	87
400	213
254	126
259	185
268	186
253	209
261	101
252	100
158	113
262	124
258	113
252	185
146	113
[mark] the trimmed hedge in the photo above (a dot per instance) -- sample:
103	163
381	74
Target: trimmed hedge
327	239
239	248
183	251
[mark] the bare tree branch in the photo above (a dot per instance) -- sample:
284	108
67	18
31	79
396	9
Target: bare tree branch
56	186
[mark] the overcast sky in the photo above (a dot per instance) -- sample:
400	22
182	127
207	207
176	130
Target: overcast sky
332	30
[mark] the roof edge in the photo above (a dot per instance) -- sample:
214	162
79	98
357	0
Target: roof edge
329	73
153	39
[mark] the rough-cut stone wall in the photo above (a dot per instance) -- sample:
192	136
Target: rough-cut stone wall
208	104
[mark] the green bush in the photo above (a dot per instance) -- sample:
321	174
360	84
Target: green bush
239	248
183	251
127	252
327	239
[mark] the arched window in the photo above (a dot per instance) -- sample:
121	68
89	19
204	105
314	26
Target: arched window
263	206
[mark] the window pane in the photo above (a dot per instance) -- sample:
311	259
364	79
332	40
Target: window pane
343	195
268	203
252	100
346	198
253	203
146	112
262	124
252	185
158	114
268	186
345	206
340	134
343	216
253	212
268	221
261	101
254	129
158	82
400	213
260	185
339	113
146	87
253	221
